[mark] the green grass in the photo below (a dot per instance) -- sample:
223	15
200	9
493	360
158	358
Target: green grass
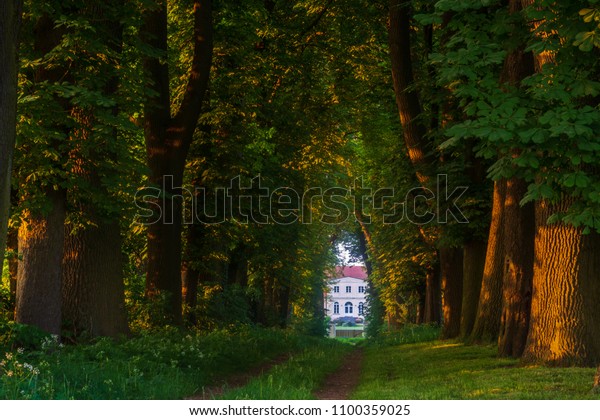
296	379
408	334
168	364
355	341
446	370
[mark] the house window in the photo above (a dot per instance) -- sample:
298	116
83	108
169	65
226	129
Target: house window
361	308
336	289
348	307
348	289
336	308
361	289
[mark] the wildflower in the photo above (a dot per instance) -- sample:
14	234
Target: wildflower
20	350
8	356
9	373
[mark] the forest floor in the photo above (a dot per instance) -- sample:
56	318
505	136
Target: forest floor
444	370
340	384
237	380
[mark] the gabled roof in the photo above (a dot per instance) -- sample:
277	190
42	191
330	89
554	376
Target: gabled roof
354	271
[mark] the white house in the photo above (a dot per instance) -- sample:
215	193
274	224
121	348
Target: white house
346	293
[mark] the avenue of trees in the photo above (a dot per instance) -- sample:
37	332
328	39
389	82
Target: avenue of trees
121	121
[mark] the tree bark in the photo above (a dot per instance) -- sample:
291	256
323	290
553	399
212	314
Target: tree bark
93	297
41	240
10	20
473	266
565	321
451	266
489	310
519	230
168	139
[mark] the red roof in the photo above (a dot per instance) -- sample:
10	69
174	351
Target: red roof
354	271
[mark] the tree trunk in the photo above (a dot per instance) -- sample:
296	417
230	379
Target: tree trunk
596	384
451	267
283	303
421	301
13	262
473	265
41	239
92	291
168	139
519	230
565	321
433	293
190	277
407	99
93	297
489	310
518	225
10	20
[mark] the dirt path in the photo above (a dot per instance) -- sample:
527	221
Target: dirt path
340	384
237	380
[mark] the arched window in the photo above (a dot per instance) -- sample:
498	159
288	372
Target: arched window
336	308
348	307
361	308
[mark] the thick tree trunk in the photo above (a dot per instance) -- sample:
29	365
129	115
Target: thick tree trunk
163	275
433	294
519	230
518	225
41	239
489	310
565	321
10	19
168	139
451	269
473	265
93	297
92	291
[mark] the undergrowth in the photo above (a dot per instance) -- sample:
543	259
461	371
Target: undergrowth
165	364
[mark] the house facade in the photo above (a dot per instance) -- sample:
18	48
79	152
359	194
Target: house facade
346	293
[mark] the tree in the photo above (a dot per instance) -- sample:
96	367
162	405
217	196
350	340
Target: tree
567	252
169	134
41	233
460	287
10	18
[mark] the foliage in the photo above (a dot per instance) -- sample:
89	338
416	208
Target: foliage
544	132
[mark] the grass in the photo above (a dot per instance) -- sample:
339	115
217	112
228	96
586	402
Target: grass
168	364
447	370
296	379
